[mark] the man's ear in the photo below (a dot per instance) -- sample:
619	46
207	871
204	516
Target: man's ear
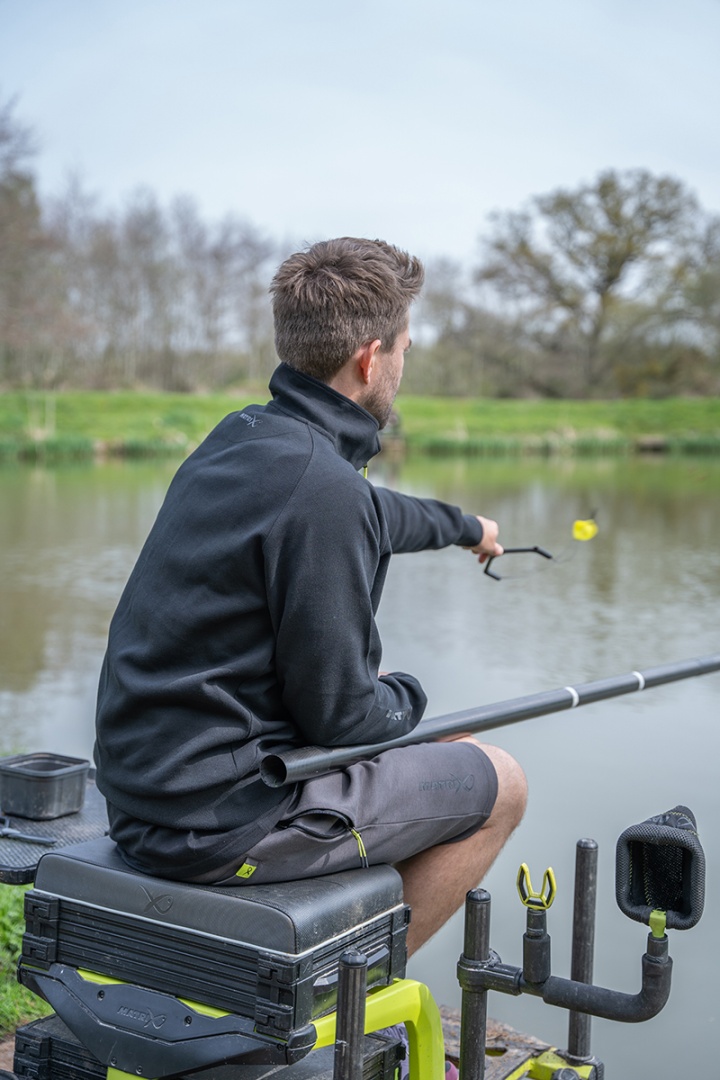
367	359
356	374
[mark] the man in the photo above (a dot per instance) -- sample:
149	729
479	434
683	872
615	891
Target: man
248	627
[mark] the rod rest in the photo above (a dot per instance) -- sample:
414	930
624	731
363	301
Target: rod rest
492	974
613	1004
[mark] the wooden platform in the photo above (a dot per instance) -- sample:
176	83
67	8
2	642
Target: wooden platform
505	1049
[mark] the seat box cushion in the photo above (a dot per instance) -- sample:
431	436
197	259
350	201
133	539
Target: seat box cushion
290	917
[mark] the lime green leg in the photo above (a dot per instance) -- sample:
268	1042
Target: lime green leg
117	1074
404	1002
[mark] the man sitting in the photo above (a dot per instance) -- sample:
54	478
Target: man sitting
248	627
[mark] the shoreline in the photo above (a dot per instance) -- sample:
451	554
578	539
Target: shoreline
84	426
66	449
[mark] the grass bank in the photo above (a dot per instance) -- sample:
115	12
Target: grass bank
485	426
17	1005
81	425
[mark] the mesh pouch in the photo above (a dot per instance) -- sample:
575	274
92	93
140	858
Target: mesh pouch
660	865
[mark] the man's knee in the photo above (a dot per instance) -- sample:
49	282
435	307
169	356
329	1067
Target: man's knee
512	788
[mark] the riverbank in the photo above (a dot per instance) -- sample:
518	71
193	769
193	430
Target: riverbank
83	425
17	1005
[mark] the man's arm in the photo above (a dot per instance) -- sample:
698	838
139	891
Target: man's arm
421	524
325	569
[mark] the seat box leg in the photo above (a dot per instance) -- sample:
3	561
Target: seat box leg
403	1002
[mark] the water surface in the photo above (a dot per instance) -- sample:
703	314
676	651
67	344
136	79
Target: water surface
644	592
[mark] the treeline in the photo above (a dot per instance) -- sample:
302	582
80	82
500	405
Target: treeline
611	289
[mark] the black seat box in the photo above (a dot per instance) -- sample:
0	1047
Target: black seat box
266	952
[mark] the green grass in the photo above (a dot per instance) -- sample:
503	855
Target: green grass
111	421
79	424
17	1005
460	419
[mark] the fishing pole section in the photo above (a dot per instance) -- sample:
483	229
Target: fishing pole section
304	762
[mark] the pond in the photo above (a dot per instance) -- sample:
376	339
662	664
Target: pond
644	592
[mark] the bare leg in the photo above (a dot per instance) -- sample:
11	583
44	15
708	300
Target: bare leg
436	881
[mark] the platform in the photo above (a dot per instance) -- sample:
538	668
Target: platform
19	859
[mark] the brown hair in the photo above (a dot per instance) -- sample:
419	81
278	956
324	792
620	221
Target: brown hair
338	295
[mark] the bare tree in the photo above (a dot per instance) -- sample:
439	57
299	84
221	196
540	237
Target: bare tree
225	273
611	287
702	293
21	244
568	266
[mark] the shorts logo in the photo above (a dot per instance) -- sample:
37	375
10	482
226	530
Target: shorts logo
246	870
398	717
453	783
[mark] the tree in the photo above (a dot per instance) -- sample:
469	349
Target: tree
21	245
224	273
460	348
156	297
580	267
702	293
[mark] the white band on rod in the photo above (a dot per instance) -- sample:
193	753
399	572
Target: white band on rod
574	695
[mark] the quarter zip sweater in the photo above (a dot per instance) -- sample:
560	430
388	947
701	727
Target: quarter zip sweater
248	626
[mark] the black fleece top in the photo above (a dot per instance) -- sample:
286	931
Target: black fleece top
247	626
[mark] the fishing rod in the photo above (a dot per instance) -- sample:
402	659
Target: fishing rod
305	762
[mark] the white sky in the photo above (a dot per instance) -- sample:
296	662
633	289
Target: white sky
405	119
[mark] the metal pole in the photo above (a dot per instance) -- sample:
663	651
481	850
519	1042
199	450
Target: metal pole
473	1017
350	1030
583	942
307	761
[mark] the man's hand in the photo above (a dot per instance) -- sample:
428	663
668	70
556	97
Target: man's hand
489	543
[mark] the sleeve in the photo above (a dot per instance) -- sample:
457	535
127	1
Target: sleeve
325	571
422	524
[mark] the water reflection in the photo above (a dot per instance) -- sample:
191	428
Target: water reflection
644	592
68	538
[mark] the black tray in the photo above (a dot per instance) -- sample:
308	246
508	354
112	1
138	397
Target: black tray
19	859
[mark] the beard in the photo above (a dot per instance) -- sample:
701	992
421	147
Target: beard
380	399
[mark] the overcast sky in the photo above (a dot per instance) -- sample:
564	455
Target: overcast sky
405	119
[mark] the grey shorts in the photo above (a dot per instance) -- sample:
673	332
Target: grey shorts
381	811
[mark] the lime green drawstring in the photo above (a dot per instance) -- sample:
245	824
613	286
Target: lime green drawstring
361	847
